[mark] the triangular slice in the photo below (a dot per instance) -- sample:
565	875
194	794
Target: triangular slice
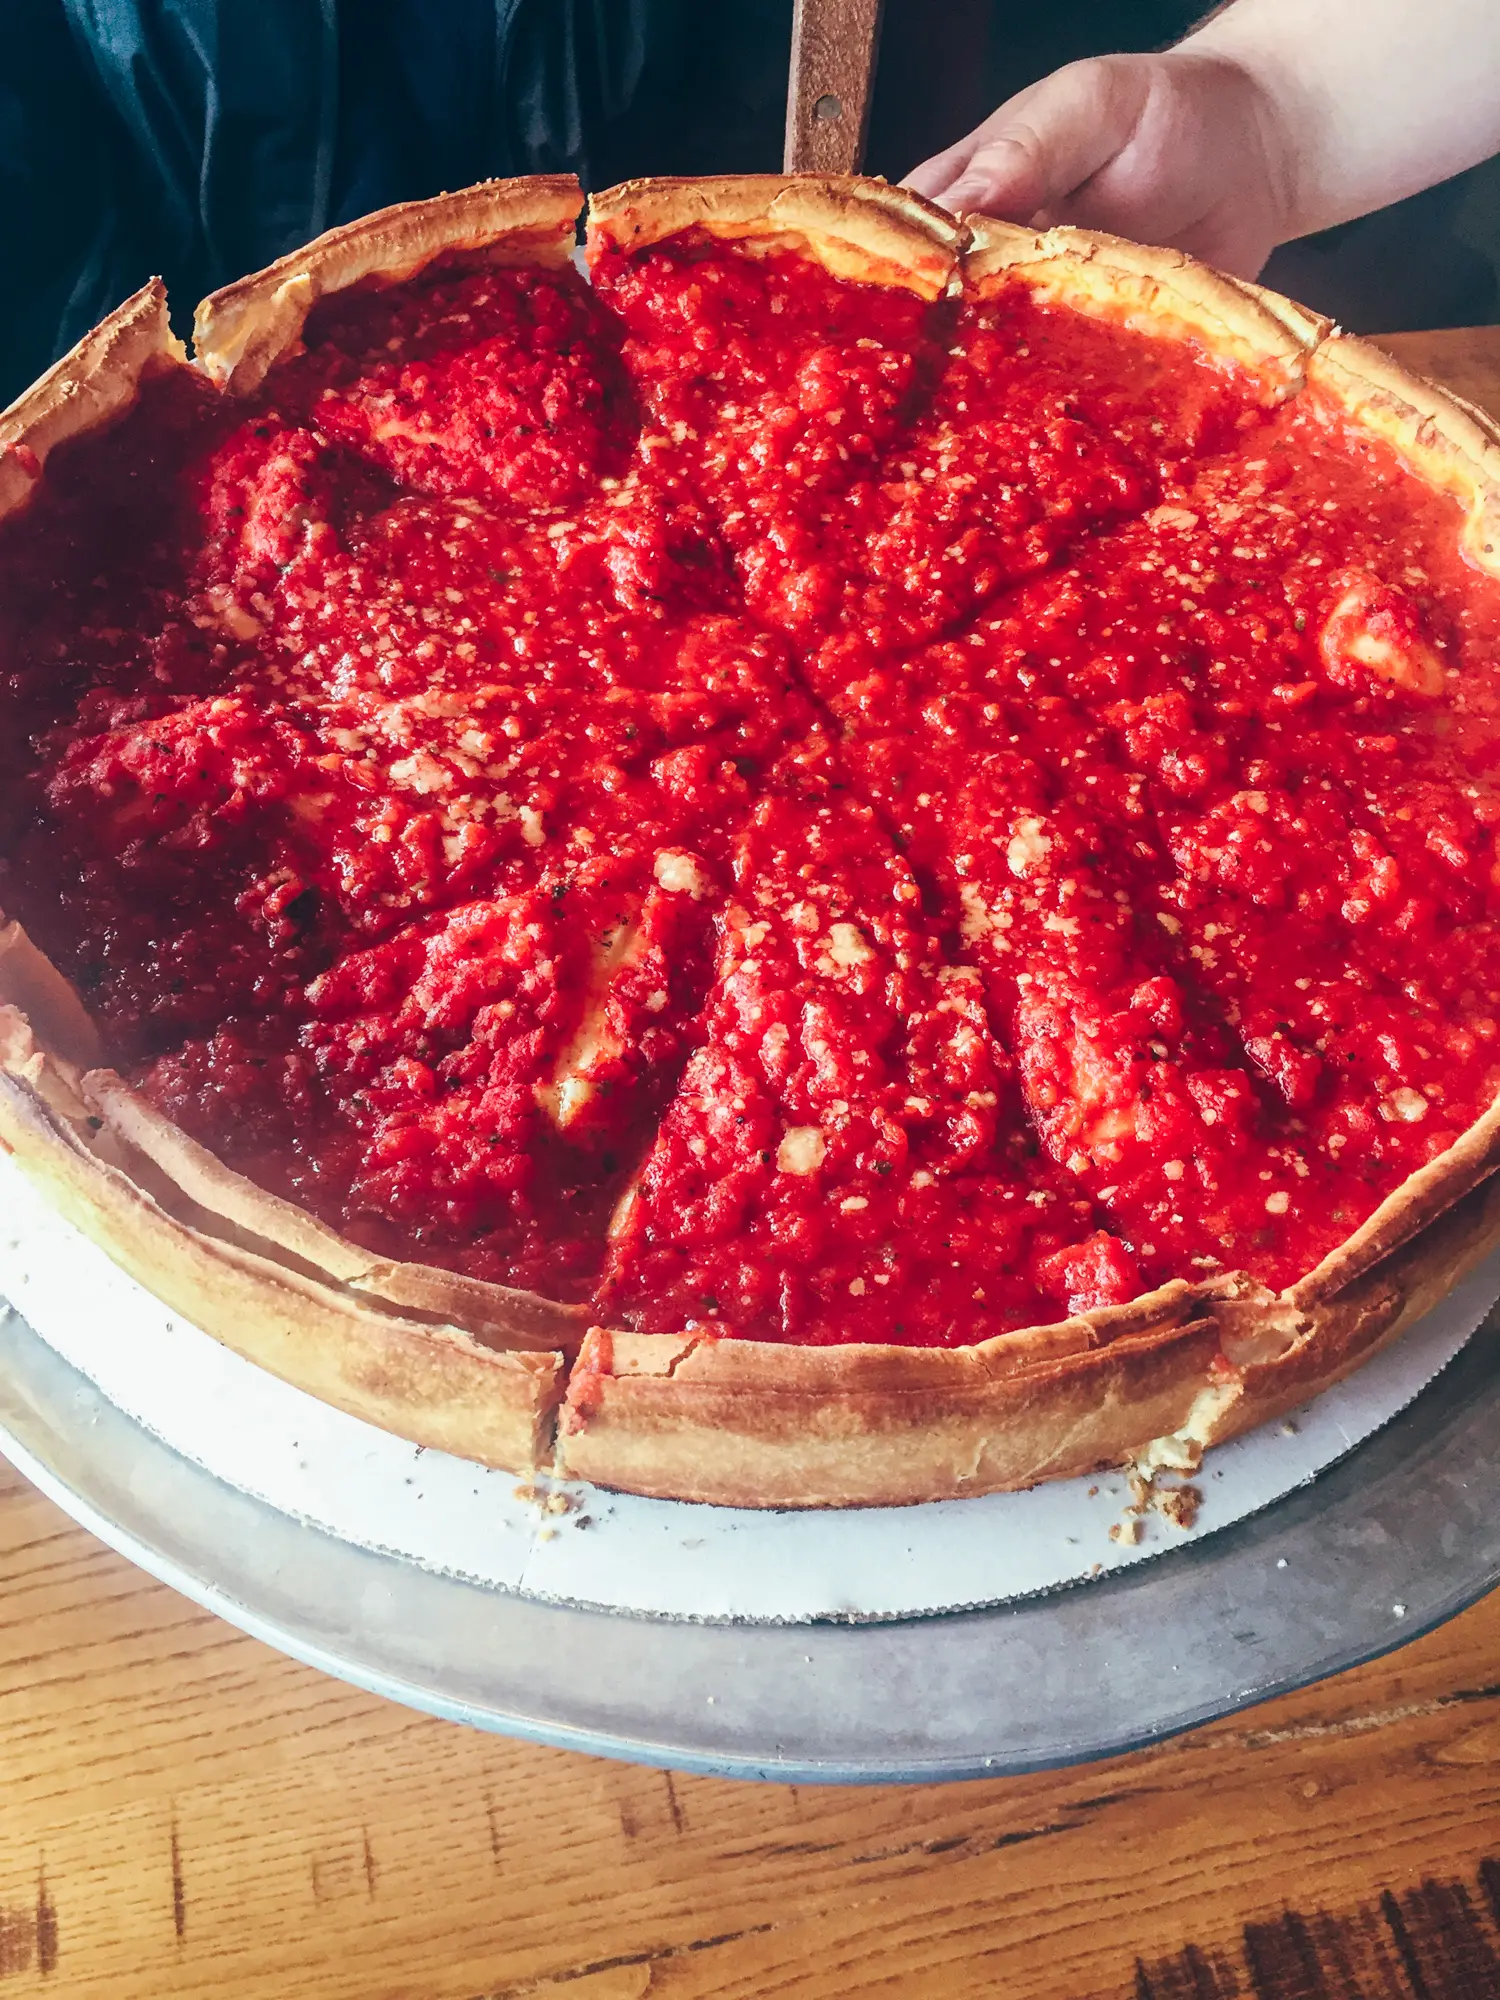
1210	803
388	860
782	335
1081	377
845	1159
881	461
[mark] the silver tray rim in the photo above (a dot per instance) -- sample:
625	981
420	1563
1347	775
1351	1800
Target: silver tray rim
1306	1588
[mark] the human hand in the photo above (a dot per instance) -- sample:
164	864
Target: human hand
1183	149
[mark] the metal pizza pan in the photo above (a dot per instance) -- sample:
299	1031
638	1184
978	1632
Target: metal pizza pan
1384	1545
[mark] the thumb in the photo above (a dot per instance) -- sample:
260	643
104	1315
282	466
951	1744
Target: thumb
1044	142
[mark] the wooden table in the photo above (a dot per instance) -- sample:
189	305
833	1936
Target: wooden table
187	1813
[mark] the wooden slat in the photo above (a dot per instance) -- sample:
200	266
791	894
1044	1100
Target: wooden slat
1463	358
828	102
187	1813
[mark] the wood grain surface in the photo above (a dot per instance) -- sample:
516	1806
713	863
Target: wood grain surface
188	1814
828	99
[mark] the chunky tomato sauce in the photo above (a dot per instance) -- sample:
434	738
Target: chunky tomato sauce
771	804
878	468
1210	806
847	1146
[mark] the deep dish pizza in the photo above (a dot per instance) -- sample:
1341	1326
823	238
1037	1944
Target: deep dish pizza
856	863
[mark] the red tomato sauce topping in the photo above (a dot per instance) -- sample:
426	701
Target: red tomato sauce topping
1211	808
846	1146
773	805
879	467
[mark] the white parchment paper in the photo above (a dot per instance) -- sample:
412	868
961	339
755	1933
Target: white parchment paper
615	1550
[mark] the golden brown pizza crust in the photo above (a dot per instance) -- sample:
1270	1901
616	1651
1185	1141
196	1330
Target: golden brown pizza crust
1338	1333
94	383
436	1385
258	1273
1446	441
749	1424
859	229
1164	293
240	331
445	1360
479	1369
267	1223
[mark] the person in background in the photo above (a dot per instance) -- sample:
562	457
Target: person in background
202	138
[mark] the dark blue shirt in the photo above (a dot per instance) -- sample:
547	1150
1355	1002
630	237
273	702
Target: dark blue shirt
202	138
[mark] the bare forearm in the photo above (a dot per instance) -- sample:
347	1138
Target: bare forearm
1368	100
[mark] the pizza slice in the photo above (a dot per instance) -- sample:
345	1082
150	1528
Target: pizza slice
228	738
845	1161
1199	796
447	745
845	1152
1333	864
471	1089
782	337
1080	377
878	467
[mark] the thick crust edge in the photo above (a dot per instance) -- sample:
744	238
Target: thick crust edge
447	1361
747	1424
735	1423
435	1385
855	228
1445	440
91	385
1163	293
241	1211
240	331
1341	1331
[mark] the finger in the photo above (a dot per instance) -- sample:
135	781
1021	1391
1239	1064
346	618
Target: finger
932	176
1050	138
1006	176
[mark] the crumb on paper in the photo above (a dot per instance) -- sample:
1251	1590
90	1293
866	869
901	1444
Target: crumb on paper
1158	1482
549	1500
1152	1492
1399	1610
1178	1504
